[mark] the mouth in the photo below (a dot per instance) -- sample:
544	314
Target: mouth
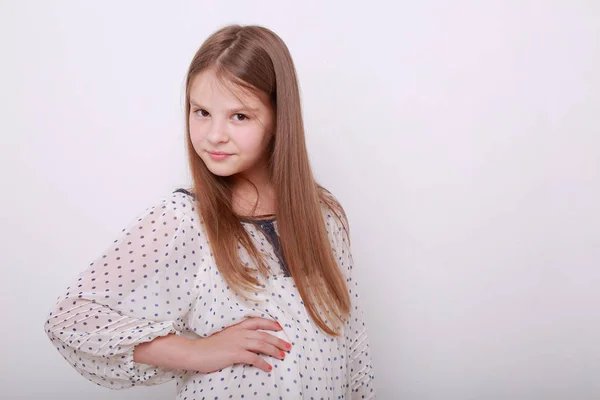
219	155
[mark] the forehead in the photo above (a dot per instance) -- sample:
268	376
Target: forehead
207	86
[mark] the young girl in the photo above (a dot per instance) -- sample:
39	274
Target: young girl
241	287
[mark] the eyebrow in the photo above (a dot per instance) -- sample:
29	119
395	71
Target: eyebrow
230	111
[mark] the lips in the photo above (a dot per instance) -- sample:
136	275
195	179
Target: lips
218	155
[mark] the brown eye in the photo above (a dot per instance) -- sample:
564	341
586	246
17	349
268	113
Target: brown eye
240	117
202	113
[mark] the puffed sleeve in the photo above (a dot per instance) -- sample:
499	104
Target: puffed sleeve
359	363
140	288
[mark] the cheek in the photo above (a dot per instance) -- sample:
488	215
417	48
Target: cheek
197	133
250	140
197	136
195	129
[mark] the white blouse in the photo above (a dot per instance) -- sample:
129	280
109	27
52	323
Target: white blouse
160	277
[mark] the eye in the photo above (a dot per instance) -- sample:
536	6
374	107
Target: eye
240	117
202	113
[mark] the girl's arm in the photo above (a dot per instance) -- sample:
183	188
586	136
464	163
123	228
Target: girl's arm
171	351
140	289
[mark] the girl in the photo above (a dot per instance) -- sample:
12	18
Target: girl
241	287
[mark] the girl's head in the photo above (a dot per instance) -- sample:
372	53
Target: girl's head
243	104
243	119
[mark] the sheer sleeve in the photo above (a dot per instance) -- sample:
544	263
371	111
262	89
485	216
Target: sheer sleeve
140	288
359	363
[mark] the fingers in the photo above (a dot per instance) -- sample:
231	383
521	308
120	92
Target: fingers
259	346
270	339
259	323
255	342
256	360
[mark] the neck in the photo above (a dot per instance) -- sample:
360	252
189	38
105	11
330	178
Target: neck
253	193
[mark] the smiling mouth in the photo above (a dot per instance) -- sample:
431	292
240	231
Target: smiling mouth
218	155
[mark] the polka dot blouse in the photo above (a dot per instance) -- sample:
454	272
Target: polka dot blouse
160	277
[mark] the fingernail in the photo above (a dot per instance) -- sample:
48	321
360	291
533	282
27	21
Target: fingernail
288	346
282	354
270	368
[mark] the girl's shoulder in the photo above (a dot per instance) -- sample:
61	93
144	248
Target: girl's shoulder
335	217
183	201
172	211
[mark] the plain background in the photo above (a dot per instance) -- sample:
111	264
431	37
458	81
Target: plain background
463	139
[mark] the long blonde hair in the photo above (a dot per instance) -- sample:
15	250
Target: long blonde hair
255	58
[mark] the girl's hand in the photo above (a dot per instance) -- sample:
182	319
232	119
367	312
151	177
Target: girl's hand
237	344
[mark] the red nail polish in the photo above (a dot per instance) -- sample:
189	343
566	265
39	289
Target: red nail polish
288	346
282	354
270	368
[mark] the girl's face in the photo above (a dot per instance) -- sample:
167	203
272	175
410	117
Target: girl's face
230	129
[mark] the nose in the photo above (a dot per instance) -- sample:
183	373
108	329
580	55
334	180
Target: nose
217	133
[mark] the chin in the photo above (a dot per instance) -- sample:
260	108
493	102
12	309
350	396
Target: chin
221	173
220	170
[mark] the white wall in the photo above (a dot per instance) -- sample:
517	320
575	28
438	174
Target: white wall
462	137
